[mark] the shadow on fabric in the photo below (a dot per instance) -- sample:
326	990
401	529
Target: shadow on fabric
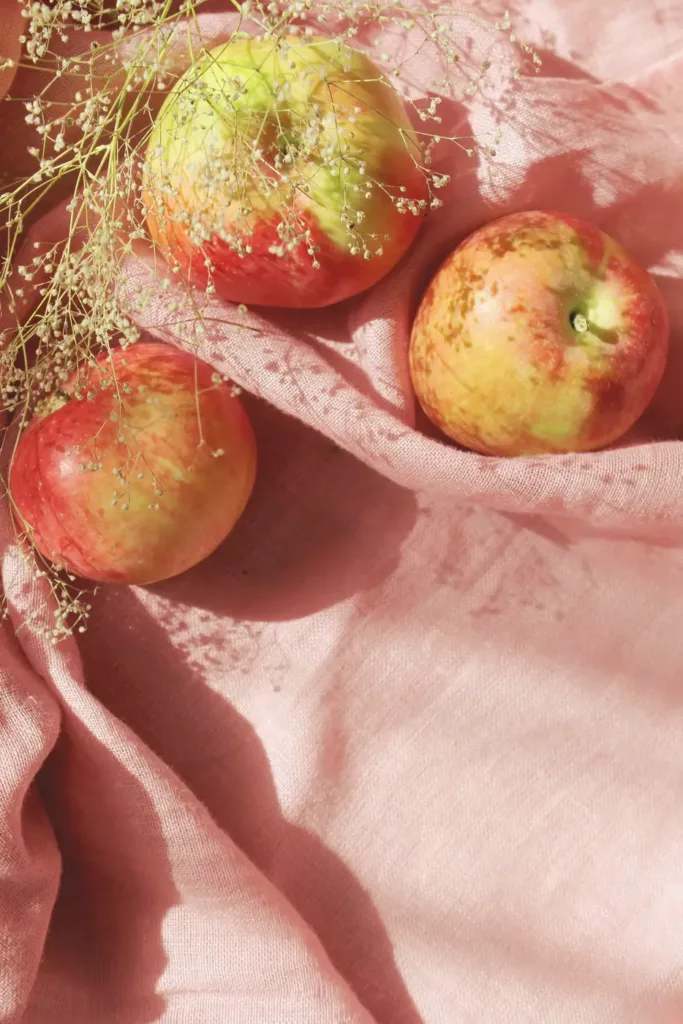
223	761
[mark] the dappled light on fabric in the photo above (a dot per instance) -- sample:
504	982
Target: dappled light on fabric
407	748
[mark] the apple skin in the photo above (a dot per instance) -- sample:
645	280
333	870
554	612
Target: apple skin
200	132
501	362
100	526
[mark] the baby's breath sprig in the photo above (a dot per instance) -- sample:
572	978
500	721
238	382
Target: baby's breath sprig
100	70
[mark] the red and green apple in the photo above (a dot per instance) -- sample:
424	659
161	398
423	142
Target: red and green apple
539	333
138	470
283	172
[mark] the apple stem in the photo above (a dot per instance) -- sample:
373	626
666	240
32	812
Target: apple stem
579	323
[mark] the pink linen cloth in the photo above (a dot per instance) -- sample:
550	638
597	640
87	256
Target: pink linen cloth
408	749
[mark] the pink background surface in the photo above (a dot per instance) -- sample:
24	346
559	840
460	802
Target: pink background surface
409	748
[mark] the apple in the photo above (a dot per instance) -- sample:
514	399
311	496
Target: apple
137	470
539	333
283	173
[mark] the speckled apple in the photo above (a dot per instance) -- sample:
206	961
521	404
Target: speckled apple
257	127
137	470
538	334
